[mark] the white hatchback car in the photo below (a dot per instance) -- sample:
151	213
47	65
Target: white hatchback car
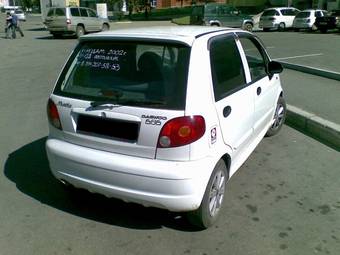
279	18
306	19
163	116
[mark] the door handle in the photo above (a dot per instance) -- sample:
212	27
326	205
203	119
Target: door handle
226	111
258	91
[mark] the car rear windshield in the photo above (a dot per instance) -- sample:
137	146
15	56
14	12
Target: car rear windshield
127	73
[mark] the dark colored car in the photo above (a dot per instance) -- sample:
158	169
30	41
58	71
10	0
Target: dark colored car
219	14
330	21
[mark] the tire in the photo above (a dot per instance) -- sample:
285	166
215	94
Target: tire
279	117
282	27
105	27
265	29
80	31
212	202
248	27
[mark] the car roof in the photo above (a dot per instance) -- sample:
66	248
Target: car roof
184	34
280	8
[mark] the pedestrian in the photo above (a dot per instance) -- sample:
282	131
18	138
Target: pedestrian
8	26
15	25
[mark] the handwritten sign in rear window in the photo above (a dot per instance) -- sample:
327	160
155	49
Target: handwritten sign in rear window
107	59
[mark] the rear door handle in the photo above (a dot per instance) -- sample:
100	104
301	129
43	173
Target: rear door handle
226	111
258	91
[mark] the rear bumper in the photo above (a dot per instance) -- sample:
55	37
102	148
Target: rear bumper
171	185
62	30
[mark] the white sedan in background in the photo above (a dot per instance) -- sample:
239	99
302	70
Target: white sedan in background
278	18
306	19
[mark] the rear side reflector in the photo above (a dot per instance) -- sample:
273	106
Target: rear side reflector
181	131
53	115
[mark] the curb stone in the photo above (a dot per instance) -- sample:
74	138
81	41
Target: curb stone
312	70
323	130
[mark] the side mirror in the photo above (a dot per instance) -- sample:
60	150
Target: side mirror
274	67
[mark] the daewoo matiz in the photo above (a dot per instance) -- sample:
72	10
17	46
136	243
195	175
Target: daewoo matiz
163	116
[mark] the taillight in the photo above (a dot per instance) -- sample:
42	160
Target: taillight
53	115
181	131
68	21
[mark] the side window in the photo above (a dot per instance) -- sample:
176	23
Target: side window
226	66
318	14
75	12
91	13
60	12
83	12
255	58
50	13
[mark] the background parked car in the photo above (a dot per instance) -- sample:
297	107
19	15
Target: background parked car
217	14
74	21
306	19
20	14
278	18
330	21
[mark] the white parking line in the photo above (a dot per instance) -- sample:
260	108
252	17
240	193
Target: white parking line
301	56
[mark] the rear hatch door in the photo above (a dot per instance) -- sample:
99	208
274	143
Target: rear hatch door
116	96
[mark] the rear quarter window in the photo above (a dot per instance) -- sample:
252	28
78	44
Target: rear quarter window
50	13
60	12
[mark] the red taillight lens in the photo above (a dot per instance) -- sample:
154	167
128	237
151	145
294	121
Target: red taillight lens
181	131
68	21
53	115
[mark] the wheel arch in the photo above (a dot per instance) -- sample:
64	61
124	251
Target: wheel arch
81	25
227	161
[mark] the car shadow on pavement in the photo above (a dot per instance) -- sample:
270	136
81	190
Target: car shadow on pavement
37	29
28	168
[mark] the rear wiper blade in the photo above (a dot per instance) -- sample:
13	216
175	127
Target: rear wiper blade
108	104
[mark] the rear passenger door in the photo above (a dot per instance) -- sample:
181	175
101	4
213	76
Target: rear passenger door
94	21
265	87
84	19
233	96
76	18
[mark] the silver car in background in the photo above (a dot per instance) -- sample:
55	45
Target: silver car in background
306	19
20	14
74	21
